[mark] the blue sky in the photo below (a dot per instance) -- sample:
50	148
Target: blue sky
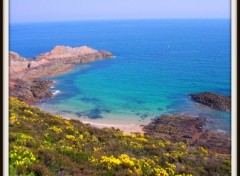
65	10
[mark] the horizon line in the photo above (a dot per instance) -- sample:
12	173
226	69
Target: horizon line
118	19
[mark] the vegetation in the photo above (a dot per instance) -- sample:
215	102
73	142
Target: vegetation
46	144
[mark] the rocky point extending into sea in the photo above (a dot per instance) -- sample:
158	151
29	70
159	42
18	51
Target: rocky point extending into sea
25	74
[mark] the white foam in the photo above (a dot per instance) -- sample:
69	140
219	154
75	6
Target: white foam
221	131
56	92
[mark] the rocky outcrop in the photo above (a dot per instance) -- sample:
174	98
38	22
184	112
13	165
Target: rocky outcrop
183	128
30	91
25	74
17	63
213	100
176	127
75	55
16	57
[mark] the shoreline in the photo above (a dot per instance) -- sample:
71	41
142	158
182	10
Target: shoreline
108	121
128	129
126	123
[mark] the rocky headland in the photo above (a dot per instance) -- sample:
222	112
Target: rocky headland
26	74
189	129
213	100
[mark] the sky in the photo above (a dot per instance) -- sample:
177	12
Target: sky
72	10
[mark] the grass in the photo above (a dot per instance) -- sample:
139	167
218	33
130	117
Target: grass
46	144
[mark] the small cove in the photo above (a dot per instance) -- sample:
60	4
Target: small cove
155	68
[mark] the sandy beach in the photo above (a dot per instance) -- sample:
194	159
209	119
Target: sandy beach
128	129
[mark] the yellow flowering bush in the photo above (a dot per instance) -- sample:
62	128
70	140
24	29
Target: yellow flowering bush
202	150
65	149
158	171
139	166
13	118
170	168
56	129
167	143
20	156
182	145
136	145
70	137
28	112
80	136
109	162
70	127
58	117
96	149
94	139
126	160
23	138
66	122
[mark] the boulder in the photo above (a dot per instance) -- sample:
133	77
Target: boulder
213	100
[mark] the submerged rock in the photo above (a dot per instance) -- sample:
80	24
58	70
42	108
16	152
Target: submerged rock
183	128
213	100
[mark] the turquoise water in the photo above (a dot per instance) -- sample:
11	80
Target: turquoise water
157	64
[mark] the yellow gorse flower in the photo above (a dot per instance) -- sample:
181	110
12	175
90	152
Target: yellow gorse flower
21	156
70	137
110	162
13	118
126	160
23	138
56	129
202	150
66	149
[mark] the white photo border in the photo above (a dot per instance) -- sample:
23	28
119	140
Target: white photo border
6	10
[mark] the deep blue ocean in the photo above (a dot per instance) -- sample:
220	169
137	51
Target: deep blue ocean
157	64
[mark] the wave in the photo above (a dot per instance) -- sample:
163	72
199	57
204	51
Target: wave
56	92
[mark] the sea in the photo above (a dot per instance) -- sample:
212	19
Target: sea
156	65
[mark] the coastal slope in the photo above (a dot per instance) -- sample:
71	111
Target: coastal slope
46	144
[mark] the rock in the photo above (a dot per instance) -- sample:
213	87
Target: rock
16	57
188	129
31	91
213	100
40	89
17	63
77	54
175	127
